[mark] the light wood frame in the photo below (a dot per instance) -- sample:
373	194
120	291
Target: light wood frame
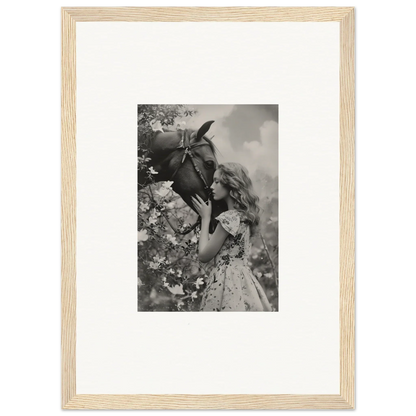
346	398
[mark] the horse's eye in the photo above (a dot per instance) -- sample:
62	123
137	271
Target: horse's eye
209	164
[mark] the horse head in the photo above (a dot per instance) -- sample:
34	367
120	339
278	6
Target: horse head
188	158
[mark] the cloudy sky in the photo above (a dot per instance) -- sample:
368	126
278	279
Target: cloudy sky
247	134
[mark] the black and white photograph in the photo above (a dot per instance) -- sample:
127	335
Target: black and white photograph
207	208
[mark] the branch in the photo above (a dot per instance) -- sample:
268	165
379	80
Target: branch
271	262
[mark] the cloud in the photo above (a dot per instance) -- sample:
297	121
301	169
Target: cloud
209	112
254	155
263	154
257	154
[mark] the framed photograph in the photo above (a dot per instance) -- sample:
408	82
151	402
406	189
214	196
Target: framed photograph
231	164
224	139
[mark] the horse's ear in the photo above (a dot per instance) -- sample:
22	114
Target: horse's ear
203	129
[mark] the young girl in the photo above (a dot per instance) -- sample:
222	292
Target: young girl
231	285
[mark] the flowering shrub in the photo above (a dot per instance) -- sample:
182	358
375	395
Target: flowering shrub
171	278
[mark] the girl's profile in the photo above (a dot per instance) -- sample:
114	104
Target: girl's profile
231	285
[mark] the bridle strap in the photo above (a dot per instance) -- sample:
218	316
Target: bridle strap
187	146
191	155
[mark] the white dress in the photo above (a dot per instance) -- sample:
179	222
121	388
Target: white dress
231	285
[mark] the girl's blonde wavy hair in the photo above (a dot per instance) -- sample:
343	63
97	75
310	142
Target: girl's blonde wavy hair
234	177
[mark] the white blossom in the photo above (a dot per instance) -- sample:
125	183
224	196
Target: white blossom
176	290
155	213
152	220
152	171
199	281
158	259
167	184
144	206
171	239
162	192
153	265
142	235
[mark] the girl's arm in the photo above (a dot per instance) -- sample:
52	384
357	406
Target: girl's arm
209	247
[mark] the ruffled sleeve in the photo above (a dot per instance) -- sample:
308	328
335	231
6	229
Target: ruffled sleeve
230	221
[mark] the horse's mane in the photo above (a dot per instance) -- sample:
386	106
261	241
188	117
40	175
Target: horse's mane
214	148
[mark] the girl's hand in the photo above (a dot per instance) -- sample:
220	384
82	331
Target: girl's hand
201	207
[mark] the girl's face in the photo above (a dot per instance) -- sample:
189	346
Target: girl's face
218	190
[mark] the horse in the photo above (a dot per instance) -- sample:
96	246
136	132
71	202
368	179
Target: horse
187	158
